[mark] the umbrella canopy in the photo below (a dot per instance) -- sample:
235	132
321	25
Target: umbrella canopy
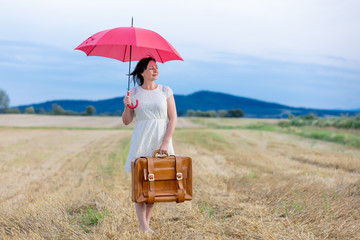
129	44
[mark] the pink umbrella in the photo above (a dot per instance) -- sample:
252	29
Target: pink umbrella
129	44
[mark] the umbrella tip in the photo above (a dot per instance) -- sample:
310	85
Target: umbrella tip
132	21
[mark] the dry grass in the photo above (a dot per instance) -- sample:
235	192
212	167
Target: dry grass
248	184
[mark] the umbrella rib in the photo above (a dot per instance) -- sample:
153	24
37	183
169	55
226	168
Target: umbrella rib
91	50
159	55
125	53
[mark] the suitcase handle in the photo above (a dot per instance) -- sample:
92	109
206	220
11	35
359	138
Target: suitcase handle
157	154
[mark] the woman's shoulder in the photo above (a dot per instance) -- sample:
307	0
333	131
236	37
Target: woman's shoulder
134	90
166	90
163	87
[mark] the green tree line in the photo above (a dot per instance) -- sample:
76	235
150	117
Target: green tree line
232	113
56	110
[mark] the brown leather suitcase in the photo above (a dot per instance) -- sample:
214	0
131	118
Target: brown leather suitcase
161	179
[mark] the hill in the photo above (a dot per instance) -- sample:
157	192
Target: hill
202	100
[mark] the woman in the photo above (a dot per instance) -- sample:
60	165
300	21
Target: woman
155	123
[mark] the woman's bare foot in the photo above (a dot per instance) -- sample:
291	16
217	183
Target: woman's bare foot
144	229
148	230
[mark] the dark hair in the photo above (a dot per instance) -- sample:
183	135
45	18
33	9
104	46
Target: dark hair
139	69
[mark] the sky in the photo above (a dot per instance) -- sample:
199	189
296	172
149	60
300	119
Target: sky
300	53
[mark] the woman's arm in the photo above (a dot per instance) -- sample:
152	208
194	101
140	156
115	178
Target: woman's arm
171	108
128	114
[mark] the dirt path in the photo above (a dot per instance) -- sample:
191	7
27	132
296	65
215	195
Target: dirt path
31	120
247	185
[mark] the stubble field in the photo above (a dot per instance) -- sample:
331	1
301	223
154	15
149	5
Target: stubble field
63	178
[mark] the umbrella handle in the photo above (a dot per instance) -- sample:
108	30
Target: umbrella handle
133	107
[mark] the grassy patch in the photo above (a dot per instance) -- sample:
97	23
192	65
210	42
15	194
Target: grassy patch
262	127
253	174
206	210
291	206
200	121
218	123
206	139
114	162
88	216
124	148
338	122
327	135
119	155
344	138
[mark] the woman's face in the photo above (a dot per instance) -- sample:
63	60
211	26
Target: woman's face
151	73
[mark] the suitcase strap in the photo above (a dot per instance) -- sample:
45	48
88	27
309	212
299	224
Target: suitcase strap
179	178
151	177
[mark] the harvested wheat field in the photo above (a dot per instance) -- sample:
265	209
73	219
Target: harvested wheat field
69	183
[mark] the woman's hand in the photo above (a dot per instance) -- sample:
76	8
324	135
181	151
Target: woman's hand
128	113
164	148
127	100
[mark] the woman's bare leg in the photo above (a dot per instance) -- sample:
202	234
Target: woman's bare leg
149	209
141	214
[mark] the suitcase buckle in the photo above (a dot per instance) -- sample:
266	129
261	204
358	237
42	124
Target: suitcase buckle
151	177
179	176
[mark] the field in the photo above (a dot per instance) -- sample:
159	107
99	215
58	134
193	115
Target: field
63	178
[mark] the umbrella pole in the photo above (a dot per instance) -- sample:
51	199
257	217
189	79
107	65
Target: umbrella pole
132	22
129	69
128	90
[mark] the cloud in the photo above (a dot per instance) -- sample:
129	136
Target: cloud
299	30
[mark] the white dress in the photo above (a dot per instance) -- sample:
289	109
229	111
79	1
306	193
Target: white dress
151	122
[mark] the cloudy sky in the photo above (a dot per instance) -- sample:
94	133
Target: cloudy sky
302	53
